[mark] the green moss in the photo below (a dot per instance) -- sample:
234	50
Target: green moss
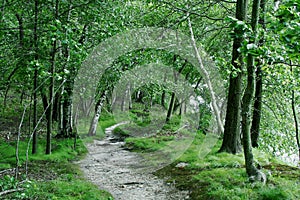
223	176
147	144
120	132
71	189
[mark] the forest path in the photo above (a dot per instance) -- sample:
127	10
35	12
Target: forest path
120	172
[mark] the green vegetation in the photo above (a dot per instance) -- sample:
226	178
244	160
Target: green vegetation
64	61
54	176
148	144
222	175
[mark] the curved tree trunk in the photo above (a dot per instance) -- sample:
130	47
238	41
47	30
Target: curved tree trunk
98	108
253	173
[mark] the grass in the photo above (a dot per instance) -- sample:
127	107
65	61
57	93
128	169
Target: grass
62	151
147	144
69	189
52	176
221	175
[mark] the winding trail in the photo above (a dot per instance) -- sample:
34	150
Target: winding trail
120	172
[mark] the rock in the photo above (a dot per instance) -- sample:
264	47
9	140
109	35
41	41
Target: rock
182	165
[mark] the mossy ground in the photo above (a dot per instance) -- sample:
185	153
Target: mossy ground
53	176
222	175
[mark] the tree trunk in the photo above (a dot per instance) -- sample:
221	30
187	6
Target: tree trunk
172	101
231	140
207	78
130	97
51	97
51	89
257	108
295	121
163	94
35	79
66	129
98	108
2	11
171	105
258	89
67	122
253	173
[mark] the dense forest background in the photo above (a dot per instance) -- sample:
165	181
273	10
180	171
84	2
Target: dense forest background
253	45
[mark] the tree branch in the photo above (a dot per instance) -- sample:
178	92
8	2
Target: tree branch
5	192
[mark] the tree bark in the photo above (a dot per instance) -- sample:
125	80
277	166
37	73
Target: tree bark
253	173
258	88
170	109
51	89
295	121
98	108
172	101
67	101
231	139
35	80
206	77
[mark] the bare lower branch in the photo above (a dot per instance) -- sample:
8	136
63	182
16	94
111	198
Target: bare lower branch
5	192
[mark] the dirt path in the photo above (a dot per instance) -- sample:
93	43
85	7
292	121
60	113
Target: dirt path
120	172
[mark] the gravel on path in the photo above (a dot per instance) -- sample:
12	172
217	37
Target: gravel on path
121	173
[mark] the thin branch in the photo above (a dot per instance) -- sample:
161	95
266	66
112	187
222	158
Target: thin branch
227	1
286	63
5	192
18	141
35	128
192	12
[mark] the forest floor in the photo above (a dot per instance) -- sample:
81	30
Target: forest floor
118	167
122	173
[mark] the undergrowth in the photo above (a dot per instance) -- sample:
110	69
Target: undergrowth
222	175
52	176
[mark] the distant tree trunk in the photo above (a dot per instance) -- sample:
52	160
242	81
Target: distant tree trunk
67	122
231	139
130	97
295	121
163	99
35	79
2	11
98	108
123	99
66	129
51	96
170	109
257	108
51	89
258	89
173	96
163	94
